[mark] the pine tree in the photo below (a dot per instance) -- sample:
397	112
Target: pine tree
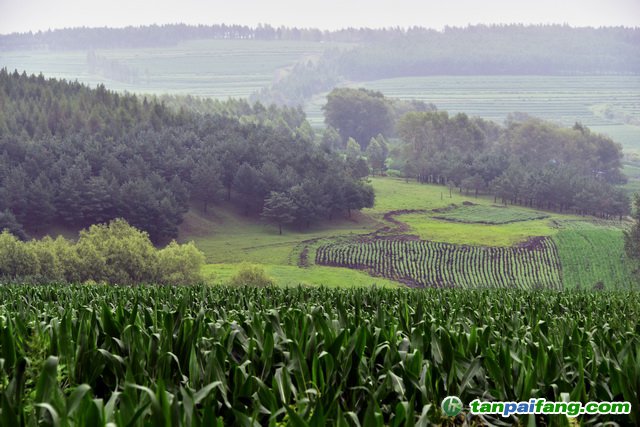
279	209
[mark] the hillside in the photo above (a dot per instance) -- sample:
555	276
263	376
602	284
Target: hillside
72	155
419	214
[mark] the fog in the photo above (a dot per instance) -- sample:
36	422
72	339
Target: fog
34	15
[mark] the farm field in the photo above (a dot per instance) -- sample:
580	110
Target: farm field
185	356
208	68
433	264
479	253
396	194
562	99
475	234
579	244
496	214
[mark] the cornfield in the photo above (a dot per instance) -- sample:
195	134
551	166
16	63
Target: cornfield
213	356
425	263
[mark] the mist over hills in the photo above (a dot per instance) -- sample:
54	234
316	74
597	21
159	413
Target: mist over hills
550	48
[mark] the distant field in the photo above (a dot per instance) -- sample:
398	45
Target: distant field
211	68
562	99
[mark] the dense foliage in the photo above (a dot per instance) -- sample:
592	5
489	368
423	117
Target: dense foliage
78	156
533	265
113	253
528	162
363	114
88	356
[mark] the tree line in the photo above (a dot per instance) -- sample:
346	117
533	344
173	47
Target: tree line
472	50
527	161
77	156
497	50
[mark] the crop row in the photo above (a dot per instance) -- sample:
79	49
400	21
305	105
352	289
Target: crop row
593	256
435	264
167	356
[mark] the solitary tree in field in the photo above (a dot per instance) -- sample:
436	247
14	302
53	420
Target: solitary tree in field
279	209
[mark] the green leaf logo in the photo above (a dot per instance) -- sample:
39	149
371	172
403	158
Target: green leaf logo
451	406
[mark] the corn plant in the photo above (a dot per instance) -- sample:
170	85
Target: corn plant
218	356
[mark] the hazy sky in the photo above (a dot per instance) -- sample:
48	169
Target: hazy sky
25	15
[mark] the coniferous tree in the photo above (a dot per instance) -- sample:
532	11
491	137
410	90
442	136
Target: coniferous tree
279	209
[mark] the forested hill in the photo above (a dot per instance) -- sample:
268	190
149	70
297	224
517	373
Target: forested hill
77	156
497	50
479	49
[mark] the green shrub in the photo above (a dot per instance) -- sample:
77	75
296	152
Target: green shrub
117	253
251	275
394	173
16	260
180	264
48	264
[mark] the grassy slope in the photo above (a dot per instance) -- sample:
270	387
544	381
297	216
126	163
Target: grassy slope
490	214
229	238
288	275
397	194
476	234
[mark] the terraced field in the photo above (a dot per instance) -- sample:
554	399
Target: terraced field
433	264
211	68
